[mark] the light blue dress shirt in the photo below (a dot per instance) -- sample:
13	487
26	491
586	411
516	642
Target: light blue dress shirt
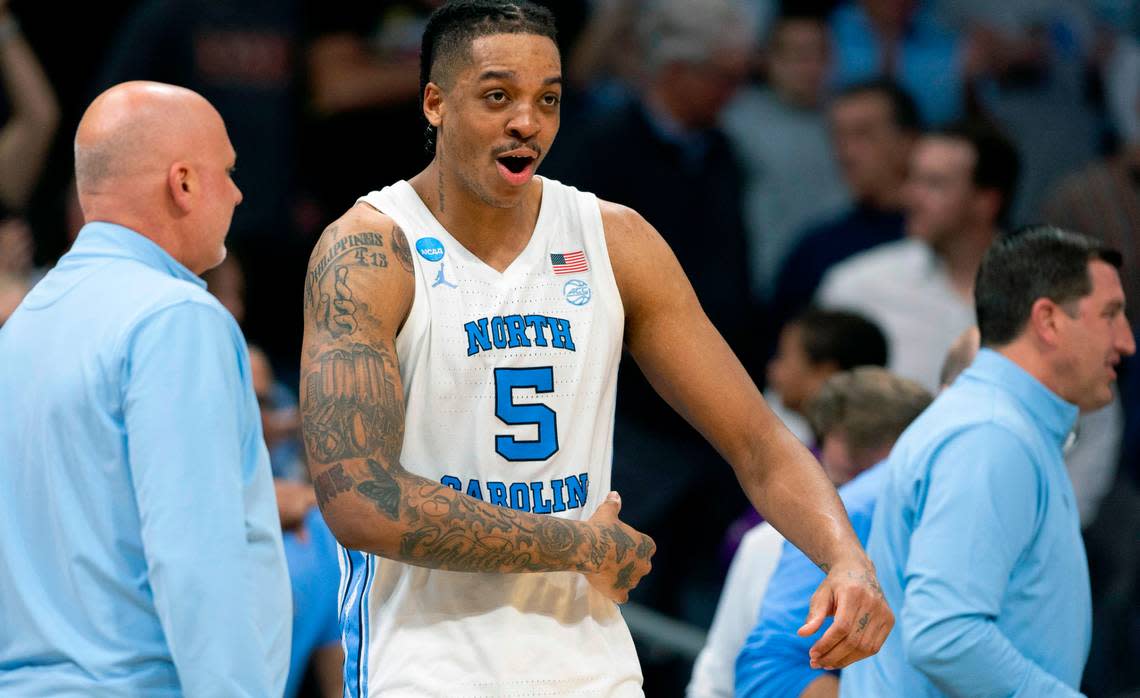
976	540
140	551
775	662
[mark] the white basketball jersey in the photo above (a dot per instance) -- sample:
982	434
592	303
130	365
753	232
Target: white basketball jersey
509	382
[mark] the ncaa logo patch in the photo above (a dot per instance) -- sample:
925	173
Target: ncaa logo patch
430	249
577	292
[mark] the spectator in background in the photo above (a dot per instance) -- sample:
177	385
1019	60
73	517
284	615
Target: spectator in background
873	129
310	548
961	185
244	57
364	82
857	417
1033	60
605	65
812	347
26	136
227	282
975	530
962	353
902	40
779	133
143	555
1103	200
25	139
696	54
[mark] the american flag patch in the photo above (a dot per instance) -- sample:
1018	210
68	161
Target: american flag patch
569	262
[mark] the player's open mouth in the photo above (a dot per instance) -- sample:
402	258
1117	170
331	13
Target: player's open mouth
516	169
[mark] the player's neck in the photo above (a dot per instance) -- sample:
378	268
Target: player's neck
494	234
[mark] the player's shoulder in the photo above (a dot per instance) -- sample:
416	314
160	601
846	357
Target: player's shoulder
359	218
623	225
363	226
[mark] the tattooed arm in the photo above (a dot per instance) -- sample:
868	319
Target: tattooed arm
358	292
694	370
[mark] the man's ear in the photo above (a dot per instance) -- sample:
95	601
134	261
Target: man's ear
433	104
182	184
1044	319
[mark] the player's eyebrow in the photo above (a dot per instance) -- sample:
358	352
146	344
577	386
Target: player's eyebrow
496	75
510	75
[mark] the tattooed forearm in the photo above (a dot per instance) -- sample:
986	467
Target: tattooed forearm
382	489
447	530
331	483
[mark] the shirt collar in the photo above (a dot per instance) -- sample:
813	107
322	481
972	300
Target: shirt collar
101	239
1055	415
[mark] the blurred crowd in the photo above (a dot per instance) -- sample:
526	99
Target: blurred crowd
828	173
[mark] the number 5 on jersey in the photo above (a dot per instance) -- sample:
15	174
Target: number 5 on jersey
540	380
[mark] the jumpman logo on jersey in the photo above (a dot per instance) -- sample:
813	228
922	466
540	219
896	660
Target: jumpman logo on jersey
441	281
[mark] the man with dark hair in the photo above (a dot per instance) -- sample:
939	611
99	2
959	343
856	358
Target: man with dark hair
961	184
976	530
817	345
463	331
874	126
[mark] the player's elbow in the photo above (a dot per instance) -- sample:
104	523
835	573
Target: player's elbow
367	532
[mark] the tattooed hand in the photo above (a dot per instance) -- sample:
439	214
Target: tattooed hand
862	618
626	552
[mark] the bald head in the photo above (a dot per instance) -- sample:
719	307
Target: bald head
156	158
138	128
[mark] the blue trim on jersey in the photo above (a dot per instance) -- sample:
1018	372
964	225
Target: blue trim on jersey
352	621
366	614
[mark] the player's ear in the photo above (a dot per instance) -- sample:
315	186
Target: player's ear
433	104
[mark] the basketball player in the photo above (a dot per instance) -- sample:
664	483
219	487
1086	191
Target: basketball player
463	332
